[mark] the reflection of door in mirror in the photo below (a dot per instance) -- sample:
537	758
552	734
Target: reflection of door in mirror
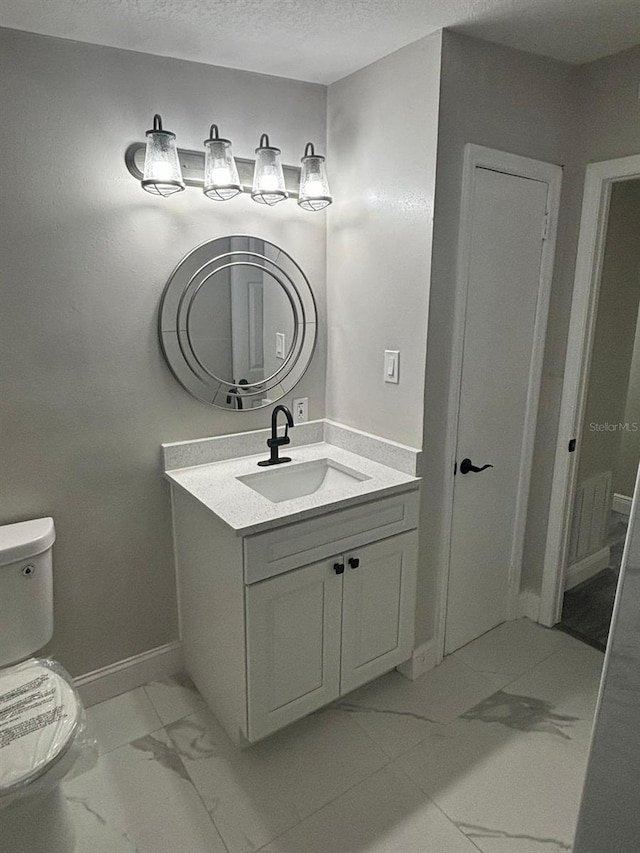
262	325
247	324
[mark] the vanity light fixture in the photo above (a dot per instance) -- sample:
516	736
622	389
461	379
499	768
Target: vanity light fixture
314	184
163	169
268	177
221	180
162	174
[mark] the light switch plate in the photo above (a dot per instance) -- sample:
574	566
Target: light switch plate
392	365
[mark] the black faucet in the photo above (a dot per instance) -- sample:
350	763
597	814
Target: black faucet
274	442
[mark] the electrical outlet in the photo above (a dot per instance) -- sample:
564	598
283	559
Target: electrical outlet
300	410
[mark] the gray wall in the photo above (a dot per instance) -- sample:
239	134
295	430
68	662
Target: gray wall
382	127
614	336
84	254
520	103
609	121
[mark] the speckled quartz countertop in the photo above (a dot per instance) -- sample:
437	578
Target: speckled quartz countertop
246	511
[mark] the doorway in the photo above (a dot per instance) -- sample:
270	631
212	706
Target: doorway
506	248
600	398
609	451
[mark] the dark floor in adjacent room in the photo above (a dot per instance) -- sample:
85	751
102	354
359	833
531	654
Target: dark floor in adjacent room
587	608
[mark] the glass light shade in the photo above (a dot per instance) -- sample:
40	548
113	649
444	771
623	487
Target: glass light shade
268	177
221	180
315	193
162	174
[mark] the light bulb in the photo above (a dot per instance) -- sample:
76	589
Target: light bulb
314	185
161	171
221	181
314	188
268	177
162	174
220	175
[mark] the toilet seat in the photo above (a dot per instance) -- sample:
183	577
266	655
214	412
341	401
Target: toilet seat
39	717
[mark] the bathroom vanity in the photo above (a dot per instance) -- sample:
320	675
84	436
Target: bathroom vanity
295	585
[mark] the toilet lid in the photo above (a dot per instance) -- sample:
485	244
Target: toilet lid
39	714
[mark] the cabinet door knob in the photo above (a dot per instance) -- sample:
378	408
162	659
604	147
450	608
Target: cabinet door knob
338	568
354	562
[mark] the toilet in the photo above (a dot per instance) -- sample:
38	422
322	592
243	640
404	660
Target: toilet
42	722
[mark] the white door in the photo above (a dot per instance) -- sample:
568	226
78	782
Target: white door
501	363
378	608
293	645
247	324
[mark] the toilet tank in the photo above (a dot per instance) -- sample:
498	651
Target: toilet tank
26	588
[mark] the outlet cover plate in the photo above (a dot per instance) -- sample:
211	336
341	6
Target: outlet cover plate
301	410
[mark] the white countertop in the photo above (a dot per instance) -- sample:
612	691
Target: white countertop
246	511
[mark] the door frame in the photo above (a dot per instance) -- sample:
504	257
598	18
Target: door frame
477	156
594	219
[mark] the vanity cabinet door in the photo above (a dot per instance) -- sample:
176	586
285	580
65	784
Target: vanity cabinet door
293	645
378	608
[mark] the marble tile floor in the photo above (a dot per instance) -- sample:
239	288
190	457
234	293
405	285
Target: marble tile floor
485	753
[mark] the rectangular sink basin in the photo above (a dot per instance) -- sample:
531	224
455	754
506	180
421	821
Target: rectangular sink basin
288	481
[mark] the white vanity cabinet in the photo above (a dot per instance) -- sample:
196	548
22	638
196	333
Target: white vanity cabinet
320	631
281	622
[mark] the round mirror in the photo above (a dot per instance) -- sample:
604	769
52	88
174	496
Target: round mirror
237	322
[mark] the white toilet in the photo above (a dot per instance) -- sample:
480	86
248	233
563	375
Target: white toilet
42	723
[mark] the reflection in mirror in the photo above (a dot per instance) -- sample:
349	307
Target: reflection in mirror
238	322
241	324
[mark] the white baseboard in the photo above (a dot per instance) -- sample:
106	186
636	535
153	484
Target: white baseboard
622	504
530	605
117	678
587	567
422	660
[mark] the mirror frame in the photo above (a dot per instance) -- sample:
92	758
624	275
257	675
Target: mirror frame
185	282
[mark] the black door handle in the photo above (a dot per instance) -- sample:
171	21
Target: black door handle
466	466
354	562
338	568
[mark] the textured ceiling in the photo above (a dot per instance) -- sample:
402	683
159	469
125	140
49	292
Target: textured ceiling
324	40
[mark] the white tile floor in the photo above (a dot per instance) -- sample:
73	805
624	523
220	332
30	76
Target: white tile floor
487	752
